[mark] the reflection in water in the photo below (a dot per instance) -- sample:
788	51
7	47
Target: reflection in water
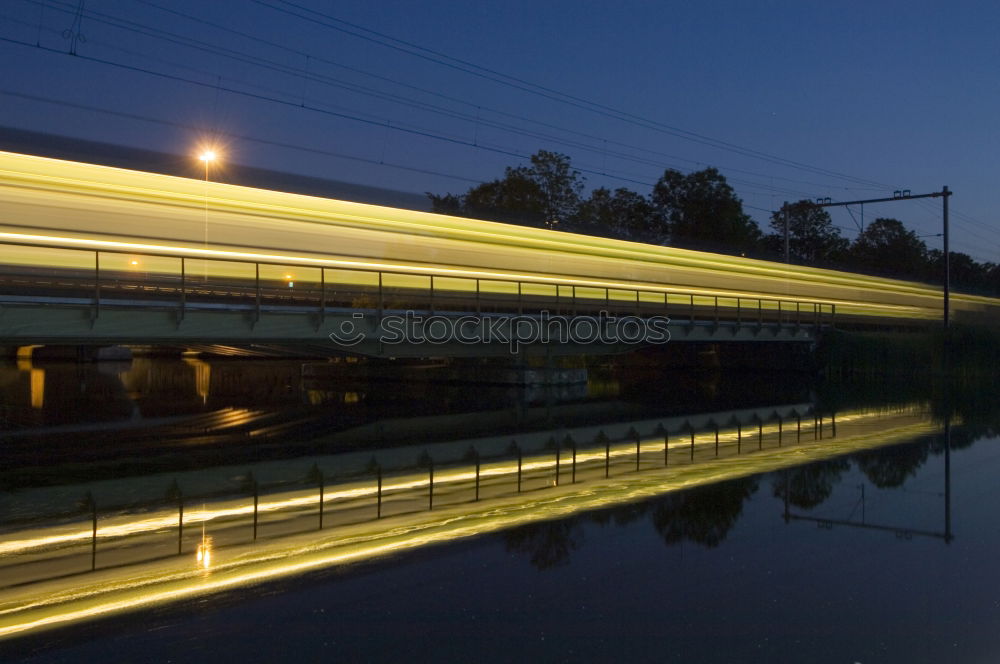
891	467
698	502
702	515
548	533
705	515
547	544
810	485
701	503
202	377
168	414
37	388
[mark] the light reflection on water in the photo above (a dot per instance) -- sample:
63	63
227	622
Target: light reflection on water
714	574
154	584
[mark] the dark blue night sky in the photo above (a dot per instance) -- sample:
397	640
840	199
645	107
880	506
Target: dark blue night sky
863	97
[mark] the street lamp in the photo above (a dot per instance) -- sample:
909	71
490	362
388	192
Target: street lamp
207	156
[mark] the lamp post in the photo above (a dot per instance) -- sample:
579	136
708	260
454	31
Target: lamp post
207	157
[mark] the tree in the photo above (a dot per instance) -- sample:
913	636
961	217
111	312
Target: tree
966	273
446	203
623	214
545	193
887	246
701	209
992	276
811	234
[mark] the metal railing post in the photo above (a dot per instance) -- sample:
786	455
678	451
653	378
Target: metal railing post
322	295
478	304
97	284
257	282
432	295
183	286
381	300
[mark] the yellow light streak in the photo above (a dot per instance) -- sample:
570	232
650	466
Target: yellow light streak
93	178
30	180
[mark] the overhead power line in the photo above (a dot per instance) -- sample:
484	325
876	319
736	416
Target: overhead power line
241	137
473	69
601	149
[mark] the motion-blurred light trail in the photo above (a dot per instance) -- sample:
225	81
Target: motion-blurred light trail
64	203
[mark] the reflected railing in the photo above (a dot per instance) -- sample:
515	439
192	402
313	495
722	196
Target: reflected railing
899	530
274	531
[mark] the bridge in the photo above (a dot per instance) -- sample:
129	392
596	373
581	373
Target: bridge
94	255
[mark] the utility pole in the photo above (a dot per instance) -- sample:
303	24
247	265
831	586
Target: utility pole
904	195
947	257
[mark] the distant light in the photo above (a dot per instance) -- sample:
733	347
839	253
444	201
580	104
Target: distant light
288	276
134	263
207	155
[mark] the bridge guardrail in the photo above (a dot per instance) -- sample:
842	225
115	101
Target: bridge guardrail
116	275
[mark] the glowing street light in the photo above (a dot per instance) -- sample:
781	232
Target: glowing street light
207	156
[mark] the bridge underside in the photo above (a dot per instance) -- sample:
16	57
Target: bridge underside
364	332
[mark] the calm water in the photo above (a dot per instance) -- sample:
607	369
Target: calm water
878	556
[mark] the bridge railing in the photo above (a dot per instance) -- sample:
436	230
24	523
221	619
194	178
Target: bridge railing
181	281
236	512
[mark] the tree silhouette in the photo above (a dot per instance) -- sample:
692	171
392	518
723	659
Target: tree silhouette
546	193
811	234
701	208
887	246
621	214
